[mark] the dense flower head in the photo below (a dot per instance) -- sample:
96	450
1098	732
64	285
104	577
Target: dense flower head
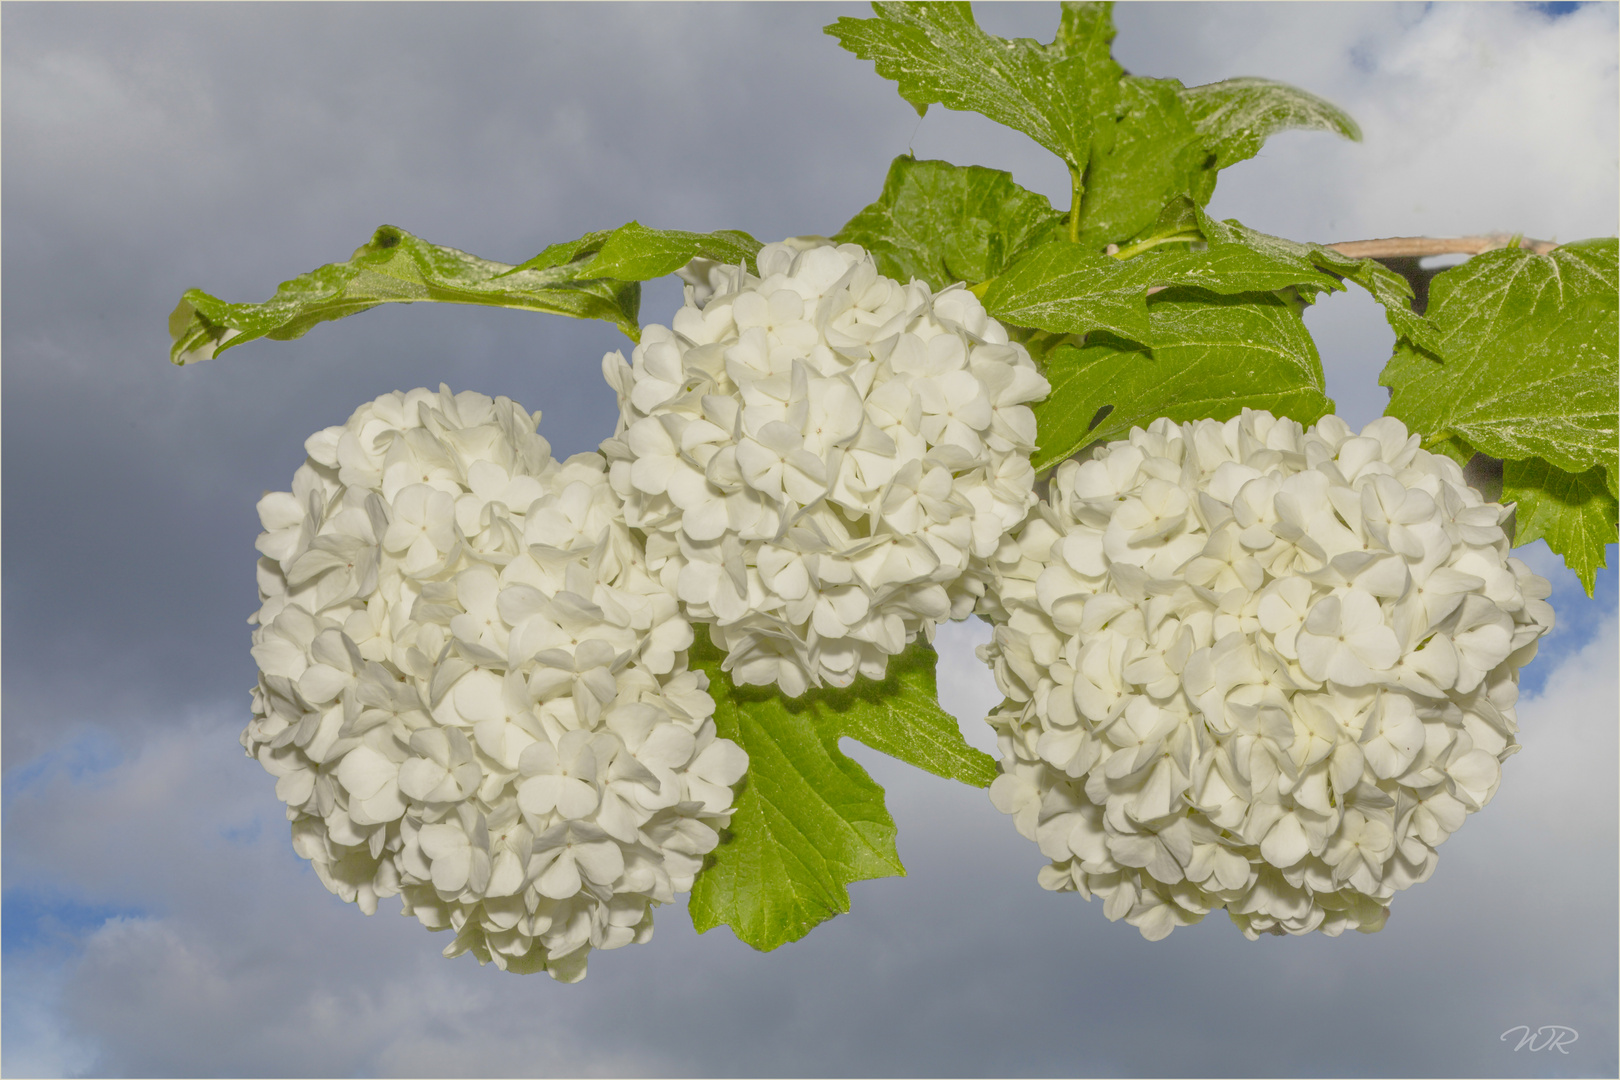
1259	667
822	459
471	691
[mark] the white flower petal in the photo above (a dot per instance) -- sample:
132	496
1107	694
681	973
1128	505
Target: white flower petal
509	631
1291	697
875	421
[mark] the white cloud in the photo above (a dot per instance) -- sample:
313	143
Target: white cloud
1475	117
1495	117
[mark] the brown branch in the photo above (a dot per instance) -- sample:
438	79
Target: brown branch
1417	247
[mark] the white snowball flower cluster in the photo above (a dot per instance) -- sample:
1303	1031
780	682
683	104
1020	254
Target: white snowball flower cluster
472	692
822	459
1256	667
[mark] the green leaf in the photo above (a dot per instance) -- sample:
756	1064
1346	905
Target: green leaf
1064	288
943	223
901	716
396	267
1130	143
809	820
1526	360
1211	356
1144	157
1057	94
1574	512
1391	290
1387	287
1179	217
1236	117
569	251
633	252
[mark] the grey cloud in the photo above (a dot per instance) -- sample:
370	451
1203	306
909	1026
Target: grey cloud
965	967
151	148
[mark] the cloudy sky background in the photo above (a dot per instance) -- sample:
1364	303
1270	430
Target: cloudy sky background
156	920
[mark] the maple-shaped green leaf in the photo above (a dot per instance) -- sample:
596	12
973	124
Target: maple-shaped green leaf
809	820
1064	288
1211	356
1235	117
633	252
1146	155
395	267
1130	143
1058	94
1574	512
943	223
1526	361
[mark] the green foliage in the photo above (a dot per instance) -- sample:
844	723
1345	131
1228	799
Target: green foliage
809	820
1060	287
1574	512
1131	143
1148	353
394	267
1211	356
633	252
1523	366
1144	156
1387	287
1058	94
1236	117
570	253
943	223
594	277
1525	361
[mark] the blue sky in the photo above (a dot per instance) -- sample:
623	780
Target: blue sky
155	919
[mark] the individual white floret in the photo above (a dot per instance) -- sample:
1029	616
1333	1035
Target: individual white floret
822	459
473	694
1258	667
